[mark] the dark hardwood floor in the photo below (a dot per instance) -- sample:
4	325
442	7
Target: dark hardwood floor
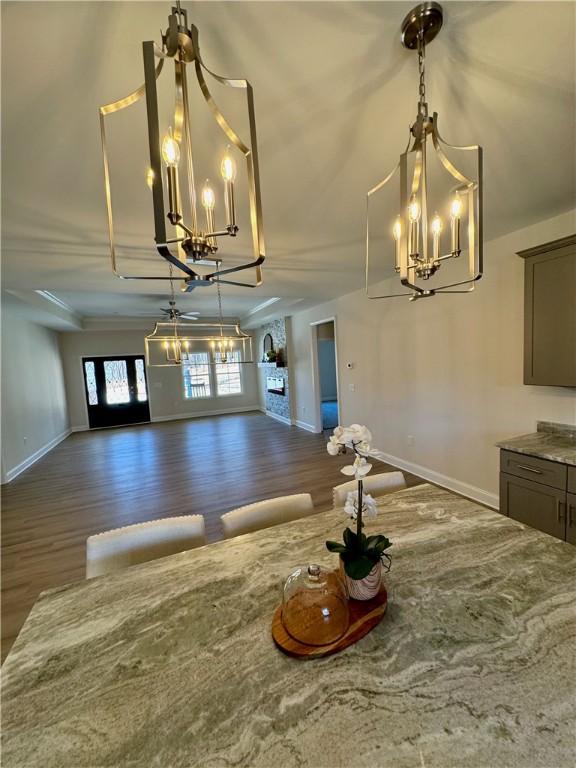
95	481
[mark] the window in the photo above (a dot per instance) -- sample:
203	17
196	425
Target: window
228	377
204	380
196	372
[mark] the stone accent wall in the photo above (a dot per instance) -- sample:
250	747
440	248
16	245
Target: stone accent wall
277	404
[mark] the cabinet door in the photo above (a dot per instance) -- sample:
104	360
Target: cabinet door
533	504
571	479
550	314
571	519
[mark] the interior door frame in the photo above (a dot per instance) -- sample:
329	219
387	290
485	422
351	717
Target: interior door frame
85	356
316	371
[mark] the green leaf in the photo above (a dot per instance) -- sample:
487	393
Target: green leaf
358	567
382	545
335	546
350	539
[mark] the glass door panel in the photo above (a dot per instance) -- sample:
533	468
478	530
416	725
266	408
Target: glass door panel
116	377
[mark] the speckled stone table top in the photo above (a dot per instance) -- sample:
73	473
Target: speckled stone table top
171	663
549	442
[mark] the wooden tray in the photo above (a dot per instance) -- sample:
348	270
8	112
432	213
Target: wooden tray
364	616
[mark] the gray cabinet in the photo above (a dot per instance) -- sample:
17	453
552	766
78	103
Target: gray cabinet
533	504
550	313
534	491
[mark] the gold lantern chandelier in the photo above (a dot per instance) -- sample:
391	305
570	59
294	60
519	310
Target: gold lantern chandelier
192	238
424	238
174	341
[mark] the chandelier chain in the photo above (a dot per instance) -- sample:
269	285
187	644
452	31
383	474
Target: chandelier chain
219	300
172	297
422	73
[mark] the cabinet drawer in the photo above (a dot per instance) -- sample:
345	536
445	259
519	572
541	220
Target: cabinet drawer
534	504
529	467
571	479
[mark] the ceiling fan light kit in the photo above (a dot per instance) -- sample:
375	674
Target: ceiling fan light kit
419	239
194	238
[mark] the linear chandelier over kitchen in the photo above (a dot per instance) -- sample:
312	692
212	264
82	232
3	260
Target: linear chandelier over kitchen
424	238
194	237
173	342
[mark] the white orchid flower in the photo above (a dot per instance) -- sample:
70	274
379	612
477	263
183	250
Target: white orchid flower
369	508
333	447
355	435
358	470
338	431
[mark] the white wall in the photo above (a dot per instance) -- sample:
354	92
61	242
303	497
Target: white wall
166	391
34	411
446	371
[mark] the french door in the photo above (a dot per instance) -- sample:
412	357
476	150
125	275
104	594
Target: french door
116	390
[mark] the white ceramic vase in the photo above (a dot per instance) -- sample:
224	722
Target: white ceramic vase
366	588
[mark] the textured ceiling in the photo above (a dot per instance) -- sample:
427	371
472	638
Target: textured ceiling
335	93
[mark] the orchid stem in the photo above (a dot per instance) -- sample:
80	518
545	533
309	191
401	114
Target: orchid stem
359	515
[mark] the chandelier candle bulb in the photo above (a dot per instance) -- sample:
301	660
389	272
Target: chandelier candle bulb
397	232
414	228
228	171
170	150
455	214
436	228
171	156
209	203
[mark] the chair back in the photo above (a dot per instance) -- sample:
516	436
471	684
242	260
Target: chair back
133	544
376	485
264	514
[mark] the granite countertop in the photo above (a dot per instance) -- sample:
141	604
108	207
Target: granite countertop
171	663
551	441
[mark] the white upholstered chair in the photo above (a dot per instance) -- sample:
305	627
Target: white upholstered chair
121	547
375	485
264	514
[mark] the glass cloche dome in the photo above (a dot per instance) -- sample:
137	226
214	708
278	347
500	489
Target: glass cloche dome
315	605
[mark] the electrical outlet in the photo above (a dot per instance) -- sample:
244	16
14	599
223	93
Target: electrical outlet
352	387
303	410
410	439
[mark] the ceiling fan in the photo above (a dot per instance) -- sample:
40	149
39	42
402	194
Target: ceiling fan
173	313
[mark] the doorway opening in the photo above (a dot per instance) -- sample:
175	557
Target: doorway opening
324	341
116	390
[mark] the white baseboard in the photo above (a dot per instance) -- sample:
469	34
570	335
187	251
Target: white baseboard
83	428
283	419
464	489
199	414
33	458
307	427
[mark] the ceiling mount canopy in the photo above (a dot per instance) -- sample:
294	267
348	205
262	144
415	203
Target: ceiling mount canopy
185	215
433	192
423	22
